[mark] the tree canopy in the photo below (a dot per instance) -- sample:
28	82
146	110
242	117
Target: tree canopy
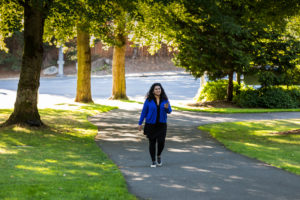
222	37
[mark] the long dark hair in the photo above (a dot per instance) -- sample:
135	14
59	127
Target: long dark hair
150	96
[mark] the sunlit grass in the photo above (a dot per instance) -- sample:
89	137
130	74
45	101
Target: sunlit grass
233	110
131	101
60	161
257	140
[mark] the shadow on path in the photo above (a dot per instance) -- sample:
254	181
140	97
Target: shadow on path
195	166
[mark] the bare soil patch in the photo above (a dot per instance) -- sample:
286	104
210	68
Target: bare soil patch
296	131
4	73
214	104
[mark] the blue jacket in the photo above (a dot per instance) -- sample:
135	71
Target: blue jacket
150	112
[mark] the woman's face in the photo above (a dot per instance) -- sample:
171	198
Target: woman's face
157	90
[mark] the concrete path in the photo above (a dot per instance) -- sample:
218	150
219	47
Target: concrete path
195	166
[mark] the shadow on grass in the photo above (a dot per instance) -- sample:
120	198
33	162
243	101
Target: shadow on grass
257	140
60	161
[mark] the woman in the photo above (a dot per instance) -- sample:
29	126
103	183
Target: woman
155	111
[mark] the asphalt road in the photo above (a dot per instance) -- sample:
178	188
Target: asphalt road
177	87
195	166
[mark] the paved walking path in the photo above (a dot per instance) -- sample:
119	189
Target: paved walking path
195	166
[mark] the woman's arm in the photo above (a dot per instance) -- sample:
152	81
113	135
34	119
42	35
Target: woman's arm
167	107
140	127
144	112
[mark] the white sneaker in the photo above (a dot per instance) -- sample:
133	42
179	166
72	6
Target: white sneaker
153	164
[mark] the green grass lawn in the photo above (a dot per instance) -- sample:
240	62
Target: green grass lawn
60	161
256	140
131	101
234	110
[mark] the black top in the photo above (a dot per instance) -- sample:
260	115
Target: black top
158	113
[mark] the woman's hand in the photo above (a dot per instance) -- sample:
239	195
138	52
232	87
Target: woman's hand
166	105
140	127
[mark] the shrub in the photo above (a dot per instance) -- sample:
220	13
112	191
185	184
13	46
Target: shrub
216	90
276	98
294	92
247	98
272	97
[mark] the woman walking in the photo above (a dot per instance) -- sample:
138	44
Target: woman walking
155	110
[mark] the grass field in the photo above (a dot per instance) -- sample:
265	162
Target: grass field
259	140
60	161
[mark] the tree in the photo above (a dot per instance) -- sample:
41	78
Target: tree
85	19
220	37
83	92
118	65
123	23
91	18
208	39
105	20
286	64
277	61
34	13
126	24
118	25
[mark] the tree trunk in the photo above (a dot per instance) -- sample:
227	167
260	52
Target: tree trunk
118	70
201	86
230	86
83	92
238	78
25	109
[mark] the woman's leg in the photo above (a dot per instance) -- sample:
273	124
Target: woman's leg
160	144
152	144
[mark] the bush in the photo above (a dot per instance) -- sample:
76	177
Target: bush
13	58
294	92
247	98
276	98
216	90
273	97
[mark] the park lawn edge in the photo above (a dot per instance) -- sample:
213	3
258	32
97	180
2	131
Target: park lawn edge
226	110
235	110
59	161
258	140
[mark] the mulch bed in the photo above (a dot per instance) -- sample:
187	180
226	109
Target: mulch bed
296	131
214	104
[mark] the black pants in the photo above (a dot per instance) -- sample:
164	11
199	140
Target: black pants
160	146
